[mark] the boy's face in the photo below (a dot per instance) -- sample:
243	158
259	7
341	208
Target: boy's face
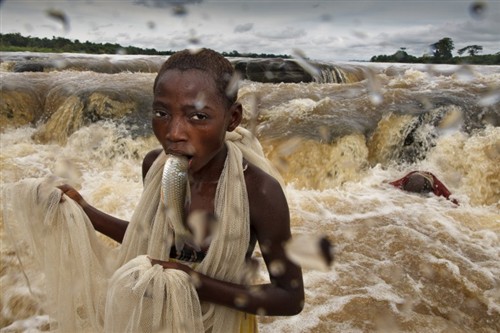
190	117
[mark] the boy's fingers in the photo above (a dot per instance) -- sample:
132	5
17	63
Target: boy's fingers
63	189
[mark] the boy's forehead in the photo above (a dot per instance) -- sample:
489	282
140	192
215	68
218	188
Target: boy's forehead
194	76
188	72
190	81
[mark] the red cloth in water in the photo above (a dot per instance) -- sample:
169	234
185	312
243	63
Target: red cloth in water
438	187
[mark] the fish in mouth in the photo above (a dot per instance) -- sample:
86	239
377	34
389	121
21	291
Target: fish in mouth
174	194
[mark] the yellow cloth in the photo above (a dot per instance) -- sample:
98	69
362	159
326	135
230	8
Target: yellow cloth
248	323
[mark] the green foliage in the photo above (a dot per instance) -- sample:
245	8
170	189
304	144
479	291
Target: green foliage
442	55
471	49
253	55
399	56
15	42
442	49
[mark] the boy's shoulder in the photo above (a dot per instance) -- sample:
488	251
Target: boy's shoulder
269	214
259	182
149	159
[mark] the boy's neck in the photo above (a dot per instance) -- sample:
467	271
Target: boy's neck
211	172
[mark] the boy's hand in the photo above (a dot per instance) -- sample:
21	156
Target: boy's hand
170	265
73	194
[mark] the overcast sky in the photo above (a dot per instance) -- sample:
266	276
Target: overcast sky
322	30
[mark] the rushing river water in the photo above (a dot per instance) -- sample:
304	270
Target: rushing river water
403	262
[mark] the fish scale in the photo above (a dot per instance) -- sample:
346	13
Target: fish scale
173	195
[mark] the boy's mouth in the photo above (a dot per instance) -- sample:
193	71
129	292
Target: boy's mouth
187	154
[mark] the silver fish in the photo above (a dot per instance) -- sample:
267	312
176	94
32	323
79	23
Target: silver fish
174	187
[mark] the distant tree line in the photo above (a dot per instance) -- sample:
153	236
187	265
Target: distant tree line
254	55
15	42
441	53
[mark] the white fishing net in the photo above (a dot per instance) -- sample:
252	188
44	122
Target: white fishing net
94	288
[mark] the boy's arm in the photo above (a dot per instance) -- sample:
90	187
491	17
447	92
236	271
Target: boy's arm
106	224
271	223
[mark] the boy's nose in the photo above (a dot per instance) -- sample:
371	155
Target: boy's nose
176	130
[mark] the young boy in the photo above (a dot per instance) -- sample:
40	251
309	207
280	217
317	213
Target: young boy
196	116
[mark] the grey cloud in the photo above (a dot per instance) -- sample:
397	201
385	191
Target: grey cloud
243	27
286	33
331	30
123	35
96	27
164	3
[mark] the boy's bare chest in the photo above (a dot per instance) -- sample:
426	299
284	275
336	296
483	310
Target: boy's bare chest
202	198
200	211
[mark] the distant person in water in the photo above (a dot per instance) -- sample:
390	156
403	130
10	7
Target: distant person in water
423	182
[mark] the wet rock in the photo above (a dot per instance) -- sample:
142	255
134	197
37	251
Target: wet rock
29	67
272	71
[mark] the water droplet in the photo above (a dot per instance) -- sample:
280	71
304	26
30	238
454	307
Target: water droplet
179	10
194	50
300	59
59	63
453	120
472	304
465	73
489	98
261	312
193	38
241	300
254	113
199	103
265	248
478	9
426	103
289	146
233	84
427	270
376	98
269	75
374	88
68	170
195	279
310	251
251	269
324	132
277	268
197	224
60	16
407	306
294	283
256	290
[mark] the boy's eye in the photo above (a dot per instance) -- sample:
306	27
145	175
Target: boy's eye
159	113
199	116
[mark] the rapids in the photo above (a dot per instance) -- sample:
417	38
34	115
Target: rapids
403	262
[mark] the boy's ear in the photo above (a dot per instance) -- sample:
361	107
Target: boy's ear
236	114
